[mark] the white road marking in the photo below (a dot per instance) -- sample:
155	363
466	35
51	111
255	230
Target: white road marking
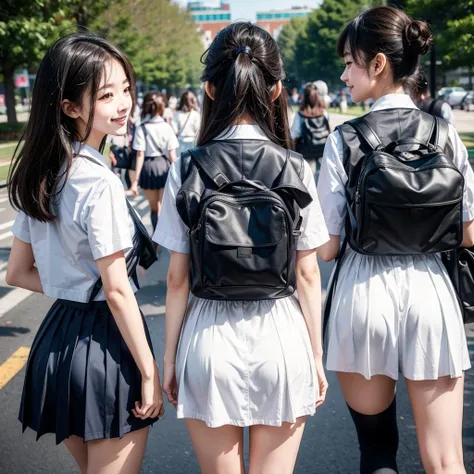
143	205
5	235
12	298
6	225
3	199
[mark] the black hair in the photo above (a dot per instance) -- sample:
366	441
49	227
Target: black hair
153	104
389	31
73	67
243	65
421	84
312	103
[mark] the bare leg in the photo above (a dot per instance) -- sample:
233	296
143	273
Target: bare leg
218	450
78	449
117	456
438	407
273	449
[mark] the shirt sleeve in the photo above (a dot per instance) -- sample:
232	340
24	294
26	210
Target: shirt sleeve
447	113
171	232
461	160
331	185
296	127
21	228
139	142
106	220
172	142
313	228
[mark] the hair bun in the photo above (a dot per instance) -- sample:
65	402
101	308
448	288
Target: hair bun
418	37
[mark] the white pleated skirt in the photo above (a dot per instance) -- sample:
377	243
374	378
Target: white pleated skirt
392	315
245	363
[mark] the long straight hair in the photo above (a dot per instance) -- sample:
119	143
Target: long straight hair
72	69
312	104
244	83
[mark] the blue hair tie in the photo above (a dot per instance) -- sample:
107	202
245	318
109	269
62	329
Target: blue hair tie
242	49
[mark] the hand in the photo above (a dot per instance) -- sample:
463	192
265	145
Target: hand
112	159
170	386
322	382
134	188
151	405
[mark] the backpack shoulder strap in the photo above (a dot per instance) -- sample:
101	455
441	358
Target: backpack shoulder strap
365	131
207	165
441	134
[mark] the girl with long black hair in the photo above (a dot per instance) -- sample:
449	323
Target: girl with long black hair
91	377
247	363
395	313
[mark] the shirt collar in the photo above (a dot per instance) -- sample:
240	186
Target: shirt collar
157	118
393	101
243	132
86	150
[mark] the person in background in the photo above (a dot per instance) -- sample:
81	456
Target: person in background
323	92
295	97
155	143
186	121
170	108
310	128
422	98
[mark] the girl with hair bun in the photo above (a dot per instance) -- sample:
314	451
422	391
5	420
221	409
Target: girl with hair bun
245	361
393	314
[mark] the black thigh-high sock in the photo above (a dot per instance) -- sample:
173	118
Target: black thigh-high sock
378	440
154	220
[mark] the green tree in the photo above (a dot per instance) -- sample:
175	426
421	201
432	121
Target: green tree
160	39
287	42
318	48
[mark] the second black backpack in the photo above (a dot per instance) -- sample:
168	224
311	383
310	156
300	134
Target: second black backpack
408	198
314	134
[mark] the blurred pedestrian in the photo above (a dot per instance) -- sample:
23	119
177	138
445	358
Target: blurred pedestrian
91	378
420	94
310	128
186	121
170	108
156	144
323	92
393	310
244	360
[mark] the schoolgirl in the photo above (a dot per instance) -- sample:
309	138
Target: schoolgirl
235	364
393	315
186	121
155	143
91	376
310	128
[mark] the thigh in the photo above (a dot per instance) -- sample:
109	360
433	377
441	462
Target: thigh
153	198
78	450
273	449
218	450
117	456
368	397
438	409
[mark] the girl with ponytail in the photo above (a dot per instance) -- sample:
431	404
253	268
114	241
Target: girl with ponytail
242	362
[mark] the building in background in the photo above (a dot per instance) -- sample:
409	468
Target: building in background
210	19
274	20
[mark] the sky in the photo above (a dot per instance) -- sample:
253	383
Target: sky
246	9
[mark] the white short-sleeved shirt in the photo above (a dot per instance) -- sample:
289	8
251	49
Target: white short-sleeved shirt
333	177
160	137
186	124
298	123
171	231
92	222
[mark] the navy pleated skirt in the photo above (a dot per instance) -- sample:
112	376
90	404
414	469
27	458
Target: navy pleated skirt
81	378
154	172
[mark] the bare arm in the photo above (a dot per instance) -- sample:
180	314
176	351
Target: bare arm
139	164
308	286
172	155
21	270
124	308
176	301
330	250
468	234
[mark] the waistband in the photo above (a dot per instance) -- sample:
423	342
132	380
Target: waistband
84	306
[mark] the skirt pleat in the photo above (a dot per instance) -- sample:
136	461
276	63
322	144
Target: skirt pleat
81	378
154	173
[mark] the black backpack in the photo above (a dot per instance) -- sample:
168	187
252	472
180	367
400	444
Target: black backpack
431	106
314	134
408	198
243	242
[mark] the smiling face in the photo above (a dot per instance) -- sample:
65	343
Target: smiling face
111	108
357	79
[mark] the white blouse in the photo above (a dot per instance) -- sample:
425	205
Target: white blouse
171	231
333	178
160	137
92	222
